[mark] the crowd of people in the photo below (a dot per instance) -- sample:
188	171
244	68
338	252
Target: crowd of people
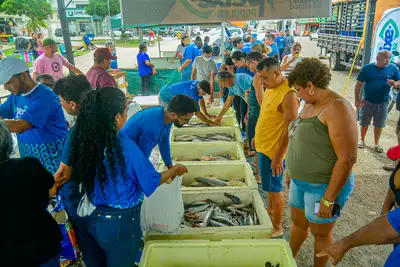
98	163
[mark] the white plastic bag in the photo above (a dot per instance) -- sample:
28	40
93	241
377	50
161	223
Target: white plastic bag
163	210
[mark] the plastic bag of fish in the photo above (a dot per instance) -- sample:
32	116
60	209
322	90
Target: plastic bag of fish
207	213
205	137
213	182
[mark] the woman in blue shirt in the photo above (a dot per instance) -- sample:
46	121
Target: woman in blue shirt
114	174
145	68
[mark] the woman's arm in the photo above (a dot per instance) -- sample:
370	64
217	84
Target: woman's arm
342	128
286	62
388	203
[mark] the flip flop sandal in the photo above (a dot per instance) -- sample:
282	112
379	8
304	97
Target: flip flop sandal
389	167
280	236
361	144
378	149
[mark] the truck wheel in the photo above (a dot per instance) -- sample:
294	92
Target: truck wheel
334	61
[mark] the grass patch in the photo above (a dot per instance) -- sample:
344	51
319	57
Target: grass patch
129	43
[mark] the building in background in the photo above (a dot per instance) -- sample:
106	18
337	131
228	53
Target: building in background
78	21
306	26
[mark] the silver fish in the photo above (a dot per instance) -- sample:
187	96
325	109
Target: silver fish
223	220
218	224
197	203
211	181
207	216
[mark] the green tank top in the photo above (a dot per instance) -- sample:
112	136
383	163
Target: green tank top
310	157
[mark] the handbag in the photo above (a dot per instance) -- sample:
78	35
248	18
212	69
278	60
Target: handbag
69	249
85	207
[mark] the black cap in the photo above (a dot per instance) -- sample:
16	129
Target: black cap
207	50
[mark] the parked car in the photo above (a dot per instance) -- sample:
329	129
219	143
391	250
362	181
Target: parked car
314	35
117	33
58	33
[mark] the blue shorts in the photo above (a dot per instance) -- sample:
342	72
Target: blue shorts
304	195
377	112
269	183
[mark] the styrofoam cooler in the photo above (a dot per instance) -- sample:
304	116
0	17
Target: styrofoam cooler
192	151
217	110
261	231
222	170
226	253
206	130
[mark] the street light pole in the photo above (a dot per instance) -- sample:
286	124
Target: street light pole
65	31
368	33
110	30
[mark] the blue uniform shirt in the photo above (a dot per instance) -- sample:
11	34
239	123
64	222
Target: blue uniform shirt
191	52
242	84
275	50
147	129
144	70
376	90
246	48
394	219
45	140
125	188
245	70
256	42
280	41
188	88
70	189
114	63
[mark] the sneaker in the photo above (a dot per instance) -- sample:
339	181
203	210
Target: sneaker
389	167
361	144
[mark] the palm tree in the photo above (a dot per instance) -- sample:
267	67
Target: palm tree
35	25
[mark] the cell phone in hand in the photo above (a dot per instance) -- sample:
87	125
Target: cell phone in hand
335	210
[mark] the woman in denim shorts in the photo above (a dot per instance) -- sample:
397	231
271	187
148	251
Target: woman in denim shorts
321	154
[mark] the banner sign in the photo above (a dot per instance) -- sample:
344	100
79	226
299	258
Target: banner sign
387	33
212	11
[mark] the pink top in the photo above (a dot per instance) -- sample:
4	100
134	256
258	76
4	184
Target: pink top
100	78
52	66
40	45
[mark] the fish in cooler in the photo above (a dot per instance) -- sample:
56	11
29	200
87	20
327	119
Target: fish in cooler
207	213
205	137
223	157
214	181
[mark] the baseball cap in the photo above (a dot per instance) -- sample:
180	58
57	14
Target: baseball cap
104	53
48	41
254	35
11	66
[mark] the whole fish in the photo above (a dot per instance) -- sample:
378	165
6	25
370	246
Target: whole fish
197	184
210	181
223	220
197	203
218	224
207	216
198	208
234	199
250	219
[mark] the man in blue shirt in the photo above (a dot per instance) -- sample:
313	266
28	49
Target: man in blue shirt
381	231
193	89
280	41
152	126
191	52
71	91
34	112
238	84
270	41
145	68
238	59
376	80
247	44
254	39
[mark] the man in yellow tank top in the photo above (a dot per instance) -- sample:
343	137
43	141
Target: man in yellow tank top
279	107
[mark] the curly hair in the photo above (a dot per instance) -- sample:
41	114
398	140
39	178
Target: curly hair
310	70
94	138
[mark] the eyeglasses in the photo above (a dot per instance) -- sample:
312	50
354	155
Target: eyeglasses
296	123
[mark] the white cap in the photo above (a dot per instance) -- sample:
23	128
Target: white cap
11	66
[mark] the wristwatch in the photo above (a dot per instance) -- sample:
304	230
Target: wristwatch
326	202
